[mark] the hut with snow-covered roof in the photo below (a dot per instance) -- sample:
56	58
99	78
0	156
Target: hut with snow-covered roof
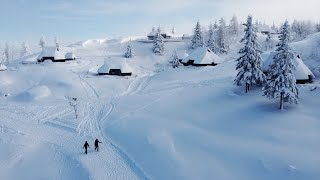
52	53
202	56
302	73
3	67
265	29
115	67
164	33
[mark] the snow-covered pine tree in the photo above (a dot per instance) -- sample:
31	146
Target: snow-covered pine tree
130	52
248	64
158	43
3	59
301	29
173	31
269	42
221	37
215	25
281	80
197	38
24	49
175	60
234	26
211	44
6	54
317	27
56	41
42	42
273	27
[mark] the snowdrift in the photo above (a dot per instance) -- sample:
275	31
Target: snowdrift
310	51
34	94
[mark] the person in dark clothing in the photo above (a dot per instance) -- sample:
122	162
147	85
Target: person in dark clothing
86	146
96	144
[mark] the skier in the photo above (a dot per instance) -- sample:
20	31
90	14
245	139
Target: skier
96	144
86	146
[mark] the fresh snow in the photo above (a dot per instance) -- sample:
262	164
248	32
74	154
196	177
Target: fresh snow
161	123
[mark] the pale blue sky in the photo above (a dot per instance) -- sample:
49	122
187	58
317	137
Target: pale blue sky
75	20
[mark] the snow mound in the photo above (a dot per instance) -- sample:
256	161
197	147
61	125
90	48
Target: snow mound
91	43
132	38
309	49
34	93
3	67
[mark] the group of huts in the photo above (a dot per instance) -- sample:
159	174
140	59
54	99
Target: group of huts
201	56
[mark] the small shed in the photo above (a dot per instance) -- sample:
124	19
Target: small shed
202	56
115	67
302	73
3	67
52	53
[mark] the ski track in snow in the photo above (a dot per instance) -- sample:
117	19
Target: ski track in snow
86	85
91	123
132	164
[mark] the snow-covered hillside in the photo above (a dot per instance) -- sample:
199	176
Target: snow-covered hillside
160	123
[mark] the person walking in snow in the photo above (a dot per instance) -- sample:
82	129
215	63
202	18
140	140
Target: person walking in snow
86	146
96	145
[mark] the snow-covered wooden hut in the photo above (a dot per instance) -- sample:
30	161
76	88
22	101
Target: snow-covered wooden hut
3	67
202	56
164	33
52	53
302	73
265	29
115	67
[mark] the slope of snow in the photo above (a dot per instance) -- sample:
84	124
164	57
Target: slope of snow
161	123
310	51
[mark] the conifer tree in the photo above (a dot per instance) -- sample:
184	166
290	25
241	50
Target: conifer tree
56	41
175	60
130	52
211	44
25	49
42	42
281	80
234	26
158	43
197	38
249	62
269	42
221	37
215	25
6	54
173	31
